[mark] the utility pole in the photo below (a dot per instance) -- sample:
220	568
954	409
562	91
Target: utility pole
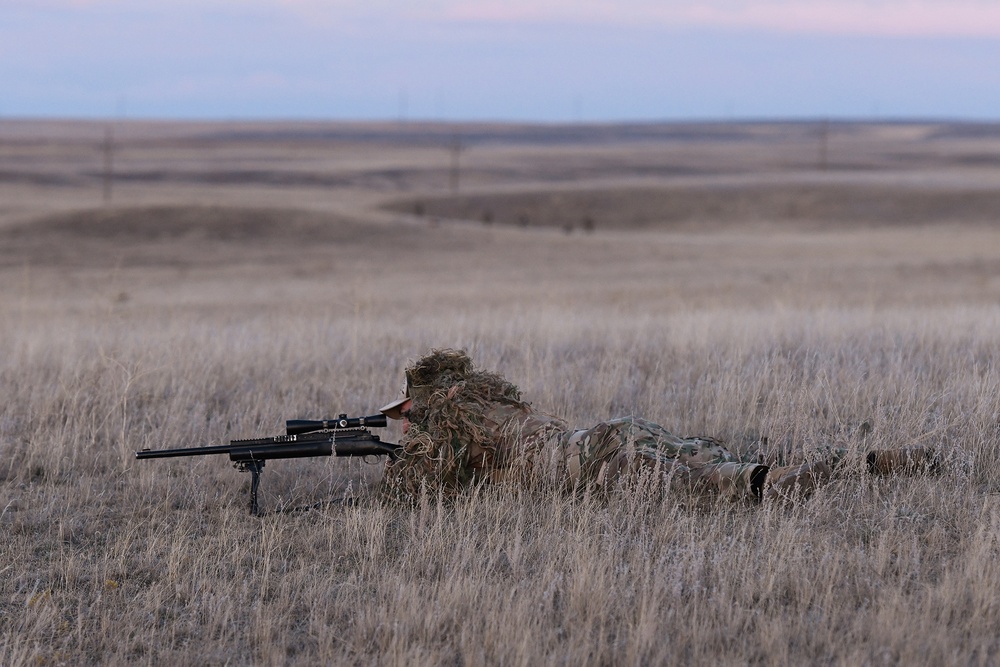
824	141
403	104
456	150
109	166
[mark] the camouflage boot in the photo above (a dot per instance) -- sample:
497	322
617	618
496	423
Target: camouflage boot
796	481
732	480
903	460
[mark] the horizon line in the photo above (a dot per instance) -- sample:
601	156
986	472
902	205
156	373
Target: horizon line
893	119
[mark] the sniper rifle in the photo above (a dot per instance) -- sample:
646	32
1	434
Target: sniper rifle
343	436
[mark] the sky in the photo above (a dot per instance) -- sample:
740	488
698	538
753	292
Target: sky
513	60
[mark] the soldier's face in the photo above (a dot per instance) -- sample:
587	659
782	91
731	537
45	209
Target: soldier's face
404	410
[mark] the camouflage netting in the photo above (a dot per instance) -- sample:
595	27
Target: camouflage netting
447	419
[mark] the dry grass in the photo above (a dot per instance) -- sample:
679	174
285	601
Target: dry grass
180	320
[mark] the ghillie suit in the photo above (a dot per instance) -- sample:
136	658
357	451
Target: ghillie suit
467	426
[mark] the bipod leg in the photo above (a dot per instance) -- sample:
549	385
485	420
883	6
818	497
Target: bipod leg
254	467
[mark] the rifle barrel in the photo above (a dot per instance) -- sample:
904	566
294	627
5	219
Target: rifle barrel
184	451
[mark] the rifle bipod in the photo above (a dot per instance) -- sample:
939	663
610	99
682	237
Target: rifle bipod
254	466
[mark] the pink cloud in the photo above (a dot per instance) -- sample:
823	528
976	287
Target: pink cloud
871	17
888	17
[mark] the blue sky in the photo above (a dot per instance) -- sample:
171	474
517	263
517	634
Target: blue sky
545	60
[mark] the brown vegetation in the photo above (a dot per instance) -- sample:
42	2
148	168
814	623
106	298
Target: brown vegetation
194	311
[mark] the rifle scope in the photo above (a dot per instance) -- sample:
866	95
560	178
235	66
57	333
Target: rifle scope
299	426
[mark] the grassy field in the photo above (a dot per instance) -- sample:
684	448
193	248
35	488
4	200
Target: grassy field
737	281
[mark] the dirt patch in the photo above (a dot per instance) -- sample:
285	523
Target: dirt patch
185	235
712	207
154	223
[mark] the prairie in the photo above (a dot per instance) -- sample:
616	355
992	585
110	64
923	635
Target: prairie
179	284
